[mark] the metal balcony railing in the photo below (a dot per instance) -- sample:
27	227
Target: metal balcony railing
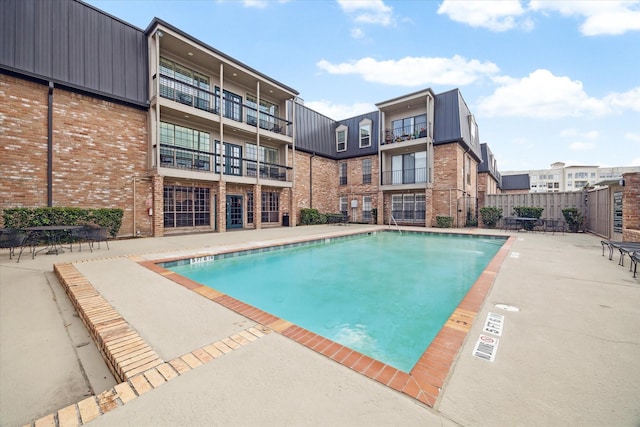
202	99
405	176
405	133
185	158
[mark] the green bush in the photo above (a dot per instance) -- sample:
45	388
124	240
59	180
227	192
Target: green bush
471	221
444	221
528	212
111	219
311	216
490	216
573	218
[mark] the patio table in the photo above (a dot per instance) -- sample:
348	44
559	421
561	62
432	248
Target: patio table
52	234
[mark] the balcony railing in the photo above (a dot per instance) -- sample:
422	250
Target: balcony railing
202	99
405	133
184	158
405	176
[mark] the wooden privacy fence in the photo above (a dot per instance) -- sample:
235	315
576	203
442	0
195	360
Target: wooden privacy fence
600	214
552	203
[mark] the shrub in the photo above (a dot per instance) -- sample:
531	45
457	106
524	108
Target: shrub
111	219
444	221
574	219
490	216
471	221
528	212
311	216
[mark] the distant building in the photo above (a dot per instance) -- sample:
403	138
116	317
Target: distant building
561	178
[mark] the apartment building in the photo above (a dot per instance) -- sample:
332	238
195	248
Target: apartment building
184	138
560	177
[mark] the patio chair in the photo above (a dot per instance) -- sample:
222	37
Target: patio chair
11	239
623	247
97	234
509	223
80	235
634	257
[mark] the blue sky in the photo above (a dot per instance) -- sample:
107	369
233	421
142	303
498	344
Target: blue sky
546	80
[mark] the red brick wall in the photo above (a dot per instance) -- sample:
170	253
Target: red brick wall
99	149
631	208
324	178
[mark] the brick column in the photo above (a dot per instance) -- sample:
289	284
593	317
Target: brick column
428	208
631	207
157	226
257	206
380	208
222	207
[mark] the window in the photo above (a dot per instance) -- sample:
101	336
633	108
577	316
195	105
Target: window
232	159
232	104
366	208
366	171
341	138
365	133
250	207
184	85
409	127
269	161
343	173
408	207
408	168
344	206
268	113
468	169
270	207
186	206
184	147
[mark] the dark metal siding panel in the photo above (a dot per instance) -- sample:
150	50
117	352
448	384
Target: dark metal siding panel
43	58
8	24
315	133
24	35
118	69
105	55
91	48
446	126
77	58
76	45
60	36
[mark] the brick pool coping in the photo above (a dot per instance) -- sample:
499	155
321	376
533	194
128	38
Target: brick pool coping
139	369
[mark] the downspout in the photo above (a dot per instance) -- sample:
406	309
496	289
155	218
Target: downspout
50	147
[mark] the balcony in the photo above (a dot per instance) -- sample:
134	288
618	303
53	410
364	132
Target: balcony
202	161
405	176
201	98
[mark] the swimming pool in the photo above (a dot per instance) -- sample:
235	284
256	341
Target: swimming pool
383	294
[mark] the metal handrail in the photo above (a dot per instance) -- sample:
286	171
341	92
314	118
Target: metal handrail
396	223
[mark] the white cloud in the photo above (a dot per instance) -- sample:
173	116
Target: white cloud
415	71
582	146
339	111
606	17
635	162
570	133
368	11
541	95
495	15
357	33
626	100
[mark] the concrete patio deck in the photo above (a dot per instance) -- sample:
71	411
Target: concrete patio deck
568	357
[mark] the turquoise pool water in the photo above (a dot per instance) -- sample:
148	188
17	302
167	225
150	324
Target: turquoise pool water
385	295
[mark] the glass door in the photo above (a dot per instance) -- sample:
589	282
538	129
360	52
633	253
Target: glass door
234	212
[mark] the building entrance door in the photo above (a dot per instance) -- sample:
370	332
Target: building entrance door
234	212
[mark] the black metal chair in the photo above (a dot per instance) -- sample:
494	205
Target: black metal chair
97	234
11	239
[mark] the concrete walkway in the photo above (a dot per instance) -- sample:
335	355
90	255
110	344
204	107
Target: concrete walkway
568	357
